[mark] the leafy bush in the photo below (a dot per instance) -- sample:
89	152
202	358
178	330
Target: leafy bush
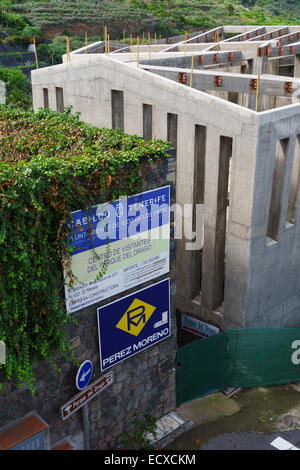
31	32
52	53
18	88
13	20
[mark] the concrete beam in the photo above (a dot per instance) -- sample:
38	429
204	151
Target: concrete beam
289	38
177	39
207	58
249	34
272	35
279	51
99	48
231	82
203	37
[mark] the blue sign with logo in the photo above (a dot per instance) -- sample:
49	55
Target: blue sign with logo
118	220
134	323
84	375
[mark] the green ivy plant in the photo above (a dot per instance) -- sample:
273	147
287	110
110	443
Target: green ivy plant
50	165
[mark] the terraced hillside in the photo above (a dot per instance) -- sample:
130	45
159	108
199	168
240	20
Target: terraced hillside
162	16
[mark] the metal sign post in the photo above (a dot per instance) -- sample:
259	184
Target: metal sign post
86	426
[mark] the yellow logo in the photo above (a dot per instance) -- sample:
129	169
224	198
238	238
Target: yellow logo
136	317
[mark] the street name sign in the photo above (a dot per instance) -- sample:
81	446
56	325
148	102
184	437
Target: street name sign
198	327
86	395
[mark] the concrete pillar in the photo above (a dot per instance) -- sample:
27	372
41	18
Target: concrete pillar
297	66
185	284
240	225
247	69
260	65
269	102
272	67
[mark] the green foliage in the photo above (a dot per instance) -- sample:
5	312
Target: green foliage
18	40
51	164
163	17
137	438
18	87
31	32
13	20
44	54
52	53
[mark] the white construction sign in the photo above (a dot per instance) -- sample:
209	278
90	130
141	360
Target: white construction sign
198	327
116	246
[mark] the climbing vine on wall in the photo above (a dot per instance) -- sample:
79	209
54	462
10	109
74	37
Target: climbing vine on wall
51	164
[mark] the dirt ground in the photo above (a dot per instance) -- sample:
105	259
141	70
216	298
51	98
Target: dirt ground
264	410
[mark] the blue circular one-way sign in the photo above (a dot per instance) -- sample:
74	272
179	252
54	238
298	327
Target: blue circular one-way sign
84	375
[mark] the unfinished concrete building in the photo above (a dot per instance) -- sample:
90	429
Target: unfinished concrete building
227	99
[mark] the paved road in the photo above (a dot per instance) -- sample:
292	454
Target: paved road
250	440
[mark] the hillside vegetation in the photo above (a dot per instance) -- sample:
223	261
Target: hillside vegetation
165	17
45	20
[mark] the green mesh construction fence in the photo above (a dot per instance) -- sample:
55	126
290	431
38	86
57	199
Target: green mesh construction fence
238	358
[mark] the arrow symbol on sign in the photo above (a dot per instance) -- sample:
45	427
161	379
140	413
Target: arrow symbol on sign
82	378
68	408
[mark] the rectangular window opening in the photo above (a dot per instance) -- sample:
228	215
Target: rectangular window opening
277	189
59	99
117	109
233	97
198	198
222	211
147	121
295	184
250	66
172	128
45	98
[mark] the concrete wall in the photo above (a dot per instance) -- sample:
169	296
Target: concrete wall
273	298
2	93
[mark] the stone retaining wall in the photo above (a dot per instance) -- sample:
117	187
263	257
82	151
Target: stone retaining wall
143	383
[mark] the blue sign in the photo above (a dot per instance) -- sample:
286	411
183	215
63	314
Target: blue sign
134	323
119	220
84	375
